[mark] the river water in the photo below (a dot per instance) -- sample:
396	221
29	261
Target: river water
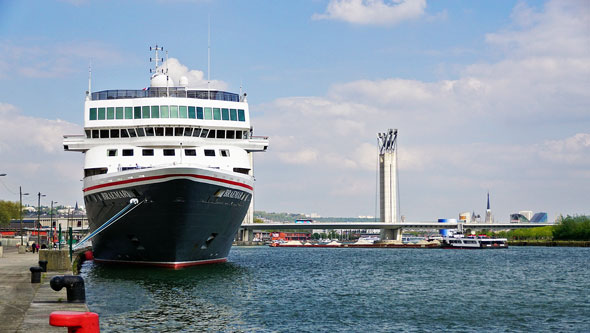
262	289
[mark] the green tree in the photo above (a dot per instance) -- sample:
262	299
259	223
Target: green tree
8	211
573	228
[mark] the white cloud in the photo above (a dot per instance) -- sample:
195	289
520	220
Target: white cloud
378	12
196	78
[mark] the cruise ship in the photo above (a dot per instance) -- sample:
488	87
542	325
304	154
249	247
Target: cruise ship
168	171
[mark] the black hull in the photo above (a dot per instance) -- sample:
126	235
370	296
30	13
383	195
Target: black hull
179	222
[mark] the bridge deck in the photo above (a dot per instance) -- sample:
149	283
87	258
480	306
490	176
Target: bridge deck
383	225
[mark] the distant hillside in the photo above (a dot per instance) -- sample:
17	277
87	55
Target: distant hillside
291	217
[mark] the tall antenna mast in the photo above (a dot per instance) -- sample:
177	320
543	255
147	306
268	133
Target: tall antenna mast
156	59
167	79
209	56
89	92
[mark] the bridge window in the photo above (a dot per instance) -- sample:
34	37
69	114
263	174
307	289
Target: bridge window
173	111
168	152
104	134
155	111
128	112
93	114
159	131
241	115
137	112
178	131
230	134
188	131
149	131
209	152
132	132
140	131
145	112
233	114
182	112
211	134
199	112
164	112
197	132
204	133
238	134
111	152
225	114
169	131
114	133
190	152
220	134
216	114
101	113
127	152
124	133
208	113
147	152
88	134
110	113
95	134
191	112
119	113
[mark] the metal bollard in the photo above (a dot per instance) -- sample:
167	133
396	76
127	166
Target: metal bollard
79	322
36	274
43	264
74	285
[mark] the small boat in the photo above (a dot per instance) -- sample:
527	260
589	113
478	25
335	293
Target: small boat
459	241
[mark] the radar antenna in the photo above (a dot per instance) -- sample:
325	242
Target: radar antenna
156	59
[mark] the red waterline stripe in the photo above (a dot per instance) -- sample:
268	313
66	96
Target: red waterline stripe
127	181
173	265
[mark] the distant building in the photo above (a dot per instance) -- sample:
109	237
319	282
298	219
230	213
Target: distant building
540	217
526	213
489	217
518	218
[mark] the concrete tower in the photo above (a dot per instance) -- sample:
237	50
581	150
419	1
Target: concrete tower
388	182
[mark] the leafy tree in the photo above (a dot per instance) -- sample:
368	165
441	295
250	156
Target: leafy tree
8	211
573	228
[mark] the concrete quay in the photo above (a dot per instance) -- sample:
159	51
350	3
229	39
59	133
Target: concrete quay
24	306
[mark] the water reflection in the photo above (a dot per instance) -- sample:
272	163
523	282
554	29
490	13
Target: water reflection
164	300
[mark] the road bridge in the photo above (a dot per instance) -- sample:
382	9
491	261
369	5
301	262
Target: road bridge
247	229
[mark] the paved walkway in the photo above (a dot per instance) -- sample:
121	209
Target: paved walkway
25	306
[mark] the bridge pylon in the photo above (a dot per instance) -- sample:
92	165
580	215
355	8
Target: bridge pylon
388	187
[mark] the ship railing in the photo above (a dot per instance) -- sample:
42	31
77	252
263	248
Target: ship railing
166	92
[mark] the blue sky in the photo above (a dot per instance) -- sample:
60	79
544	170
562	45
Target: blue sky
487	95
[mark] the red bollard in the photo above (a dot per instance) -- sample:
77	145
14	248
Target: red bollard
76	322
88	255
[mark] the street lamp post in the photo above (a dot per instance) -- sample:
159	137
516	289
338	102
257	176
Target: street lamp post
21	213
39	218
51	225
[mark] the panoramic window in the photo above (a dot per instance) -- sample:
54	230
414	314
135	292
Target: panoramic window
190	152
173	111
111	152
110	113
127	152
233	114
168	152
155	111
147	152
208	113
199	112
93	114
145	112
191	112
216	114
137	112
241	115
164	112
119	113
101	113
128	112
224	114
209	152
182	112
